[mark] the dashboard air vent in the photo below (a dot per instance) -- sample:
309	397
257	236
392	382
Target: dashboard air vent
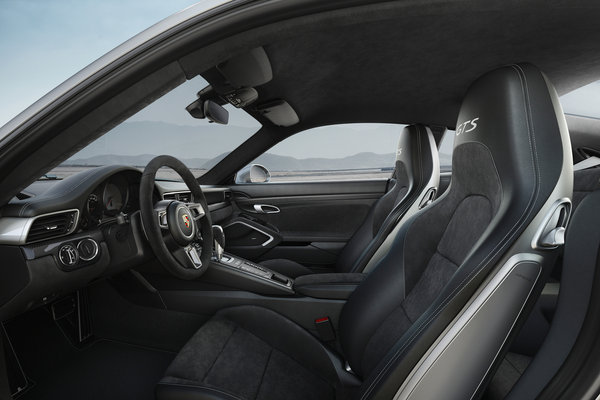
22	196
184	197
51	226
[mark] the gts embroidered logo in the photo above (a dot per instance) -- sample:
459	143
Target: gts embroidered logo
467	126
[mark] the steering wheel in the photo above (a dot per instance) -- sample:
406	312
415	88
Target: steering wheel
180	233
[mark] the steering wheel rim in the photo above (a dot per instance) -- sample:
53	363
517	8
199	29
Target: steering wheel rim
181	237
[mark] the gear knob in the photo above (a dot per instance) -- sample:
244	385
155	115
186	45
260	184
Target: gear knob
219	238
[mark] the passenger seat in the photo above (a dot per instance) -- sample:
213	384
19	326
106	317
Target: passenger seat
412	187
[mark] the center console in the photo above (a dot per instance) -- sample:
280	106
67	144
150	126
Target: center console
255	271
244	274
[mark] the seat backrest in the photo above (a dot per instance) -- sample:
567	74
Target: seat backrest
461	272
416	175
579	275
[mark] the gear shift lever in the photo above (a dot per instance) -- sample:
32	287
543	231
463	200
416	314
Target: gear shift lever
219	245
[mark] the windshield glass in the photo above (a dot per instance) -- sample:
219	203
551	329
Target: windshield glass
165	127
48	41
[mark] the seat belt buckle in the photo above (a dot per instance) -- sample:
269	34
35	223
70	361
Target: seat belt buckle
325	329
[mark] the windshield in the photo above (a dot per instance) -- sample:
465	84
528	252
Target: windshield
165	127
45	42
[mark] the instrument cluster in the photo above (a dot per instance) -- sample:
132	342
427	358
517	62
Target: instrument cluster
118	194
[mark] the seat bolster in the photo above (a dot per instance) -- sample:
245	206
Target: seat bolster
289	268
172	389
289	338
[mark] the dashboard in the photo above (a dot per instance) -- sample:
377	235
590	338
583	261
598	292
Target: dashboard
63	234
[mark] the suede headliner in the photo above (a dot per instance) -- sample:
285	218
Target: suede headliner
412	61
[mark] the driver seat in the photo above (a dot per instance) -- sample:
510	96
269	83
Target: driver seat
458	278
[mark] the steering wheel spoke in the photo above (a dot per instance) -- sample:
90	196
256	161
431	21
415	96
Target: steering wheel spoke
161	214
197	210
163	223
189	256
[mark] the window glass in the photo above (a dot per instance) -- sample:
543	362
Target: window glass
165	127
584	101
335	152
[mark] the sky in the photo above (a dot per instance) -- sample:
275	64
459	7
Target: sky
44	42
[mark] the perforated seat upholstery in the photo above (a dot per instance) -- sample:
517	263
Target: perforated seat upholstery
416	171
512	162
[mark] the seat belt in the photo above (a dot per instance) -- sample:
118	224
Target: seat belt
587	163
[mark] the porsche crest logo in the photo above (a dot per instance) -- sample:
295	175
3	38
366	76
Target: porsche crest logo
186	220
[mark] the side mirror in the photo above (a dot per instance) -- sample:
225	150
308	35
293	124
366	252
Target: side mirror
253	173
215	112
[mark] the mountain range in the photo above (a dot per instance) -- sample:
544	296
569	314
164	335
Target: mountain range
273	162
183	141
136	142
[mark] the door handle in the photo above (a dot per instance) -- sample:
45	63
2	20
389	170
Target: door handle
266	209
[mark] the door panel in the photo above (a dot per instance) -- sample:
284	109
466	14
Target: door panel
309	222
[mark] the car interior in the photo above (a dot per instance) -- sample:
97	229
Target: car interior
473	278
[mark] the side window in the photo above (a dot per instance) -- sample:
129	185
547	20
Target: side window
445	151
329	153
583	101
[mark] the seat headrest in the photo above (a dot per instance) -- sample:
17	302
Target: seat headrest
515	114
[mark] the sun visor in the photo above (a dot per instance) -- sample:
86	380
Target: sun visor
279	112
249	69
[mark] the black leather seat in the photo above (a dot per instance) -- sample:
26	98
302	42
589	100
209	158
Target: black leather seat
454	283
578	266
416	174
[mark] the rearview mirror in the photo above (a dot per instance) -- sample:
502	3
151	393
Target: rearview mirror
253	173
215	112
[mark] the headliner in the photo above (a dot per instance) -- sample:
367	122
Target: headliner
412	61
